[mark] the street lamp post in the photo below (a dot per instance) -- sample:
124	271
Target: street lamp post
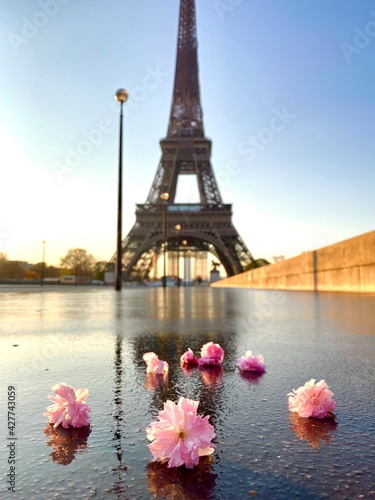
178	229
121	96
42	278
165	197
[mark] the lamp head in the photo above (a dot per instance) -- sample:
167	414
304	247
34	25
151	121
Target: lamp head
122	95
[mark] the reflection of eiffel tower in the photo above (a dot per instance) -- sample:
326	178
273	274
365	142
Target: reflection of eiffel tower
205	226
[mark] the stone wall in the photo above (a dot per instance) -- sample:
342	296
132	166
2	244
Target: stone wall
348	266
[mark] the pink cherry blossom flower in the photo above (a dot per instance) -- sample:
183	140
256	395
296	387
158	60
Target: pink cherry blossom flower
154	364
251	363
211	354
312	400
70	408
188	358
180	436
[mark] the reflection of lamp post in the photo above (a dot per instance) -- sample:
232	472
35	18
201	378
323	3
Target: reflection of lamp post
178	229
77	252
118	413
121	96
184	242
42	278
165	197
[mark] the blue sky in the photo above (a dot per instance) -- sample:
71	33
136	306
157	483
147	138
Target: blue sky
306	183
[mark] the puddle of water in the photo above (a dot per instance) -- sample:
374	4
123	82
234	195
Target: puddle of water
96	338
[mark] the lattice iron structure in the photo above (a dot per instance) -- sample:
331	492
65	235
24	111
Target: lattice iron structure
206	226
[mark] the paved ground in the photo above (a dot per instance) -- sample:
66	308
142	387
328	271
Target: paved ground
95	338
46	288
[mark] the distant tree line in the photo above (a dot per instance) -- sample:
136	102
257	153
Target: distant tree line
256	263
77	261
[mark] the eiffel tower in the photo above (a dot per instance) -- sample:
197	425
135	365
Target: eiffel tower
206	226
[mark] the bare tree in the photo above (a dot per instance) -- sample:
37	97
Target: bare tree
78	261
11	270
